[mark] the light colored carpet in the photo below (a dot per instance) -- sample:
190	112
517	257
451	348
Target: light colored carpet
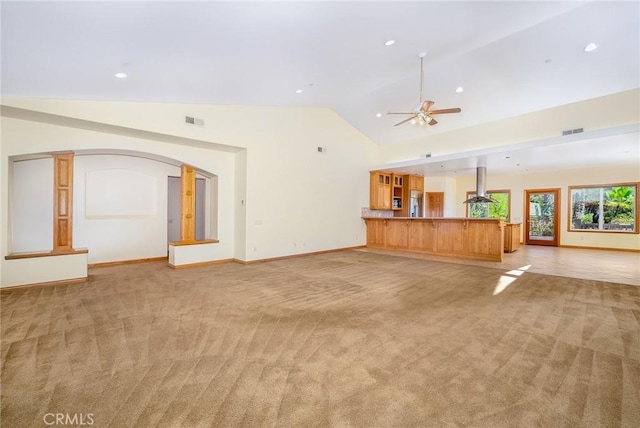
346	339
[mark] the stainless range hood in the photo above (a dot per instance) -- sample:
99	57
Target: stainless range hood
481	195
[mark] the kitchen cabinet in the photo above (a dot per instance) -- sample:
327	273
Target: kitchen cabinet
477	238
394	192
380	191
511	237
416	182
397	201
397	234
376	232
411	201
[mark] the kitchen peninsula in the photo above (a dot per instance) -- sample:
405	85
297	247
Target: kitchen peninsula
477	238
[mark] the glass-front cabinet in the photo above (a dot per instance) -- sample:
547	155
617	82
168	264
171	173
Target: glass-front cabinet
380	191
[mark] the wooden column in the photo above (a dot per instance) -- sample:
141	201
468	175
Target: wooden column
188	204
62	202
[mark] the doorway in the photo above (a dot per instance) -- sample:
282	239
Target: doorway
435	204
542	212
173	209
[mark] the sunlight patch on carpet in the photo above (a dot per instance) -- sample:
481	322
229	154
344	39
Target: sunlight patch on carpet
506	280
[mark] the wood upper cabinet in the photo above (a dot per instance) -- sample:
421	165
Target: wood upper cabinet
380	191
411	187
397	201
392	191
416	182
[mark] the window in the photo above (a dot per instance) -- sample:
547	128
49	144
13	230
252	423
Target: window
609	208
500	209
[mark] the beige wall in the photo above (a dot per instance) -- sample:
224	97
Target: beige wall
20	137
559	179
596	114
278	195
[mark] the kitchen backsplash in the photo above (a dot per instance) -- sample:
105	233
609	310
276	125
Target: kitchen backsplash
366	212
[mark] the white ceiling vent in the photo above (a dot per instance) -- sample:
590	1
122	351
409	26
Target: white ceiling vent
197	121
573	131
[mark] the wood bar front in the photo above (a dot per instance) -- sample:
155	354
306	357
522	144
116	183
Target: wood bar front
459	237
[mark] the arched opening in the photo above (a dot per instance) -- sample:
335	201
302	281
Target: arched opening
120	203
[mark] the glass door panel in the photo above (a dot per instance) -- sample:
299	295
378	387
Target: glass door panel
542	209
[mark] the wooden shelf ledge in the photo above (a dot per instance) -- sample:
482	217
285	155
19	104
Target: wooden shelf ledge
203	241
34	254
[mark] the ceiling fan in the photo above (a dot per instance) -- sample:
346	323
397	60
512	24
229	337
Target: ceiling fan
422	113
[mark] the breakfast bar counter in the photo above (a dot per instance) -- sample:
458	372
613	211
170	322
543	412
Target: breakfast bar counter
474	238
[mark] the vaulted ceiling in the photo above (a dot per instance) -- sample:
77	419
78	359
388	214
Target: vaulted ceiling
511	58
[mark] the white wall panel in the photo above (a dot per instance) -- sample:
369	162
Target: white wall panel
44	269
120	192
32	205
120	207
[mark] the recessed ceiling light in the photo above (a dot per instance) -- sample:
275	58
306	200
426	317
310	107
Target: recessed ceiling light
121	75
547	61
378	114
590	47
507	157
459	89
389	42
299	91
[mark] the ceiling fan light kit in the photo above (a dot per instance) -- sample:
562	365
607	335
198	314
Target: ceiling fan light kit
422	113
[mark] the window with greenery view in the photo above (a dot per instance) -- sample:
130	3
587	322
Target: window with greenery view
609	208
500	209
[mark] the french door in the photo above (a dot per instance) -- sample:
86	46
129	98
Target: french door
542	212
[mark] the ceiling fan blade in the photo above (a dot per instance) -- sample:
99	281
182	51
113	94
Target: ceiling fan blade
402	113
405	121
446	110
433	122
426	106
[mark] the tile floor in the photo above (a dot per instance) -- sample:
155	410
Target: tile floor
601	265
